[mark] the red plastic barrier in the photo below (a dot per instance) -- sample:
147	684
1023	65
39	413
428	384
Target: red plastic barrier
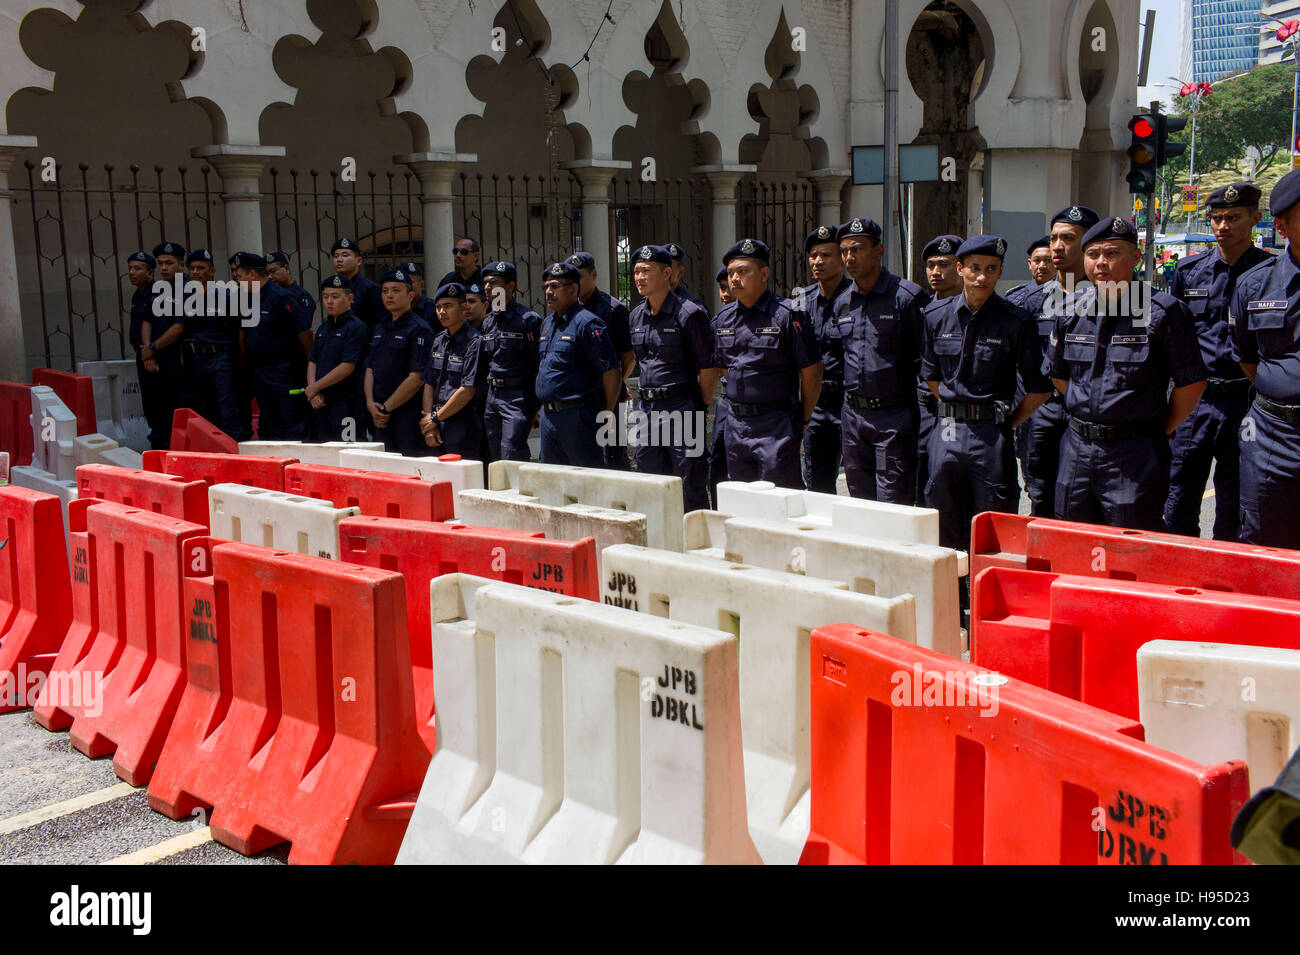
1079	636
377	493
913	762
56	710
16	422
75	391
420	551
193	432
1091	550
35	600
213	468
295	723
161	493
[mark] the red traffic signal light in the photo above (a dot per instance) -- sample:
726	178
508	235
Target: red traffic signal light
1142	127
1142	152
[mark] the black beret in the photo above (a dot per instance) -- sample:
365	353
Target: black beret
941	245
1042	242
721	277
564	271
450	290
344	243
198	255
413	268
993	245
867	228
819	236
1285	194
1116	227
396	275
582	260
337	281
1243	194
674	251
652	253
169	248
277	257
1081	216
747	249
506	270
248	260
144	257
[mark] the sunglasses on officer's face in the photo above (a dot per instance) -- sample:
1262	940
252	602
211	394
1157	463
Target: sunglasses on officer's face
463	251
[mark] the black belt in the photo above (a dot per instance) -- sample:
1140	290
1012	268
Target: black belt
1288	413
1216	387
507	382
858	403
203	348
668	391
966	410
833	385
927	399
742	410
554	406
1113	432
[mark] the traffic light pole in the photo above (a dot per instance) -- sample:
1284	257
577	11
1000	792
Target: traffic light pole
1149	260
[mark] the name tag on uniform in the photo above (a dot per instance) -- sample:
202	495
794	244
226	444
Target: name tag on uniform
668	330
436	354
947	335
724	332
1128	340
1266	305
770	330
1197	293
1079	339
510	334
992	341
566	338
399	338
890	315
454	360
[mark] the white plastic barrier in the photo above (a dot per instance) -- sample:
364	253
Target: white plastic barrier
514	511
1212	702
101	449
849	515
657	496
773	614
254	515
308	452
41	480
118	406
54	429
464	475
868	565
571	732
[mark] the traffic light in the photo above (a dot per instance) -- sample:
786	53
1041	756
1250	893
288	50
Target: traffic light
1142	152
1165	150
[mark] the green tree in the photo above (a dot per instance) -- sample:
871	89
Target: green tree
1248	109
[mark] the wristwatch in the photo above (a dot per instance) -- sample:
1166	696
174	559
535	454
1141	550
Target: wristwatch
383	408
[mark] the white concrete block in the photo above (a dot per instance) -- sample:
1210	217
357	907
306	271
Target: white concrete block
657	496
118	405
1213	702
41	480
464	475
308	452
870	566
848	515
254	515
90	448
123	458
572	732
773	614
54	429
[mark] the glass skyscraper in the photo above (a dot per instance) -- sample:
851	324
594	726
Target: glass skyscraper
1212	44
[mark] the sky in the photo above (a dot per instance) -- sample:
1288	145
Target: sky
1164	49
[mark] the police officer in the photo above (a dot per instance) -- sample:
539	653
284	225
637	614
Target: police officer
220	392
772	365
1265	331
679	271
334	374
1113	354
1041	270
718	436
974	344
615	316
944	277
421	304
879	320
476	306
366	302
399	351
277	267
1205	283
673	341
822	440
1038	440
578	375
277	346
450	422
466	272
139	272
510	336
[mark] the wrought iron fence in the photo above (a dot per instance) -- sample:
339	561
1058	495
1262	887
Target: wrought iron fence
781	214
676	210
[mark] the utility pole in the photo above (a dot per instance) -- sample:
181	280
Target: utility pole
1150	256
894	259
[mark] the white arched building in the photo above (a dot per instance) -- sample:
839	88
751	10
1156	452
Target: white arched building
528	124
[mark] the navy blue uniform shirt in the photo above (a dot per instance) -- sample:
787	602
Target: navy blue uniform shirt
762	349
1205	283
424	307
672	345
575	353
453	361
397	348
881	333
274	338
1264	320
821	311
302	301
210	327
1119	367
476	278
339	341
615	316
367	304
975	356
510	342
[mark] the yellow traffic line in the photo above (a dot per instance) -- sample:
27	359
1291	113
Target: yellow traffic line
53	811
168	847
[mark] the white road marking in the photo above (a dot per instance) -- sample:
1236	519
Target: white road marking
186	840
26	819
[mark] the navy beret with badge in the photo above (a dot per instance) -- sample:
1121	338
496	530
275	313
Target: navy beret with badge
747	249
337	281
473	288
506	270
1081	216
1042	242
169	248
144	257
278	257
1238	194
721	277
450	290
1285	194
941	245
674	251
582	260
652	253
396	275
413	268
199	255
818	236
562	271
1115	227
344	243
993	245
248	260
857	227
